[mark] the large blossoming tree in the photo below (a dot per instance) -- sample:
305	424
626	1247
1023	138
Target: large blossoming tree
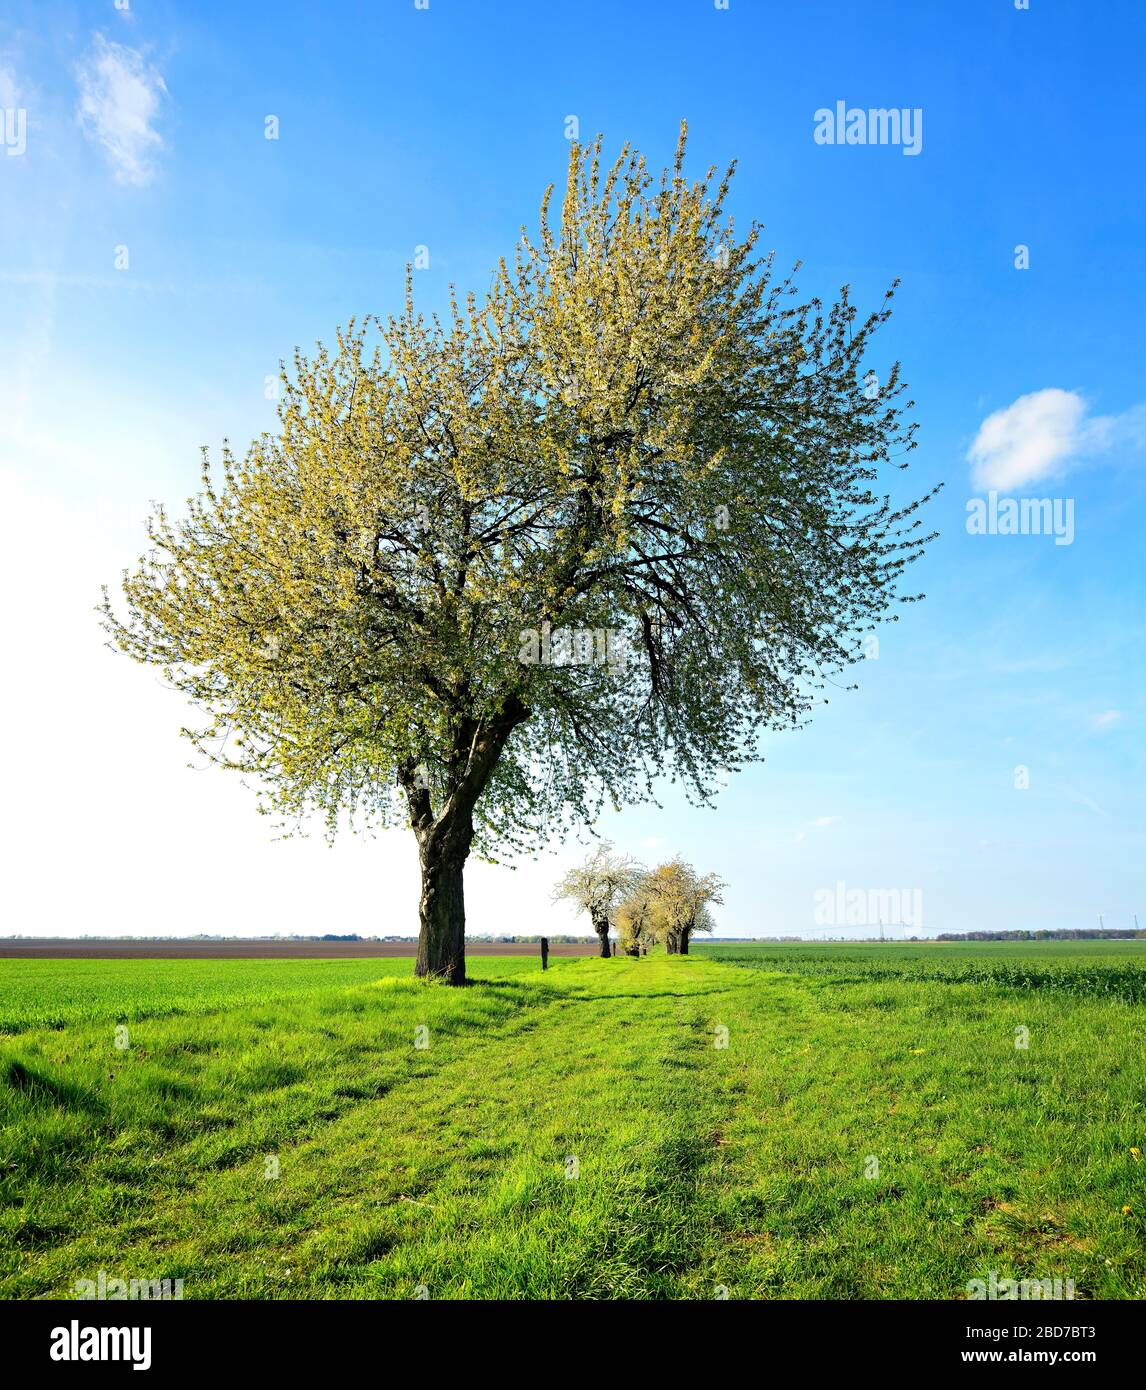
637	434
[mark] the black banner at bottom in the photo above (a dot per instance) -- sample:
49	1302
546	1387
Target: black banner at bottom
186	1337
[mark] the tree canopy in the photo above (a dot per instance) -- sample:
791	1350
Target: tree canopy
489	574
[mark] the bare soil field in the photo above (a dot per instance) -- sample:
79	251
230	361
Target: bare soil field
95	948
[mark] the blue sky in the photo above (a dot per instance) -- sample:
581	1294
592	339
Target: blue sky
145	129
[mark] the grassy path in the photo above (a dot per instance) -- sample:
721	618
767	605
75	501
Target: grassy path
575	1134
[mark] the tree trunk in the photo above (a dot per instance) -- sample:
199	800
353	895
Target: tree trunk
684	943
633	948
442	909
444	837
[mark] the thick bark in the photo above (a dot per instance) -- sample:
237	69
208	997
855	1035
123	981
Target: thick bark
445	834
442	910
684	943
601	927
633	948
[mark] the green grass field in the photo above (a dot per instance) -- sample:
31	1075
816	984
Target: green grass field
870	1130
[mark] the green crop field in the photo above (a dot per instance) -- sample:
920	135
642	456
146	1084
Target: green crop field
804	1121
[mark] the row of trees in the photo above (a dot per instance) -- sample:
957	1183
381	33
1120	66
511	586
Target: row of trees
643	906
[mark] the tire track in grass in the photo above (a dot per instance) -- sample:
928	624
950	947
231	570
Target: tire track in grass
613	1078
658	1241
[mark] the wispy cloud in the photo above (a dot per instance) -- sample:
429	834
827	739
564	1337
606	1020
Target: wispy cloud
1106	720
1079	799
820	823
120	97
1039	434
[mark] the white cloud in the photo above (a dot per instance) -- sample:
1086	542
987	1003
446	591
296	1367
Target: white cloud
1028	440
1039	434
1106	720
120	93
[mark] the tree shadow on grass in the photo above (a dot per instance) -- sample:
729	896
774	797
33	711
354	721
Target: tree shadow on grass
589	998
44	1090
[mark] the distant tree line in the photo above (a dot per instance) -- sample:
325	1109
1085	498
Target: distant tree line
1055	934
